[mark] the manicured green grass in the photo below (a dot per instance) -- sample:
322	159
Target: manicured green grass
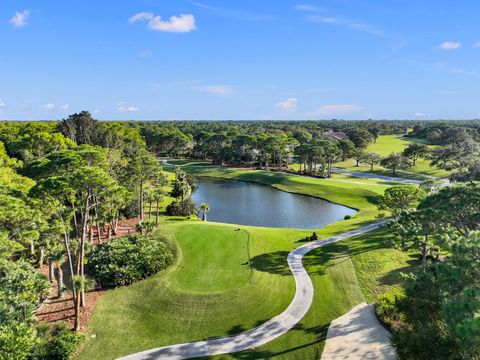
228	280
205	250
173	307
385	145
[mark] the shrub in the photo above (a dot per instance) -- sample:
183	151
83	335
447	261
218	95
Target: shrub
62	343
145	227
21	289
181	208
127	259
17	340
388	312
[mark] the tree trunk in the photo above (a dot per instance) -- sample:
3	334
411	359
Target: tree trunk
75	223
116	223
150	210
76	325
424	252
204	217
90	234
51	271
371	167
60	284
41	257
82	251
141	200
156	215
99	232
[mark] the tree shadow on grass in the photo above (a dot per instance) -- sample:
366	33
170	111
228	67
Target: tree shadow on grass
273	263
316	261
395	277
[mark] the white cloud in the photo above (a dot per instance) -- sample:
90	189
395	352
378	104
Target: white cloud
144	54
289	105
455	70
420	114
141	16
335	109
302	7
122	108
182	23
348	23
221	90
2	103
233	14
476	45
96	111
450	45
20	18
65	107
177	24
49	106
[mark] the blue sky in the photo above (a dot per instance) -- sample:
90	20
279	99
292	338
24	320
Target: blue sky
249	59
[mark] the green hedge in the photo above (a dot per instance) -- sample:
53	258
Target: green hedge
127	259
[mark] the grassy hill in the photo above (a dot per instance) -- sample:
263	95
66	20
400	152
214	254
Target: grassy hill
228	280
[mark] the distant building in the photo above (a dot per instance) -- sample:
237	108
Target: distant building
333	135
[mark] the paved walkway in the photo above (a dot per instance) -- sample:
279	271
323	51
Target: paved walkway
268	331
361	174
358	335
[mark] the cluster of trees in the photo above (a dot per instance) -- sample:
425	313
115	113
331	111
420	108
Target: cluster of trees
261	144
437	316
273	144
183	187
64	186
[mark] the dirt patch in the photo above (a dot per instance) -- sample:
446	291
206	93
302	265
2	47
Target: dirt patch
55	309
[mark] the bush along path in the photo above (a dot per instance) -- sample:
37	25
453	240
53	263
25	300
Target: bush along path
269	330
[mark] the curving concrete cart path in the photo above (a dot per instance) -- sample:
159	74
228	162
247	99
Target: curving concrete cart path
268	331
361	174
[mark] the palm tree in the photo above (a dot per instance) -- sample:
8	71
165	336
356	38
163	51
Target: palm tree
205	209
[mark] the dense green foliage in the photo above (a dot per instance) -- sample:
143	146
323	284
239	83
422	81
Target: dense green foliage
65	187
58	343
58	184
127	259
437	318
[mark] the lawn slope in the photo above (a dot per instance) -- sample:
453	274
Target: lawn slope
228	280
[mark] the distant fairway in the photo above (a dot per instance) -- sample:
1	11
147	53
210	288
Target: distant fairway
385	145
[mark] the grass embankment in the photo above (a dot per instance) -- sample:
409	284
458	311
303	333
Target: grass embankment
228	280
385	145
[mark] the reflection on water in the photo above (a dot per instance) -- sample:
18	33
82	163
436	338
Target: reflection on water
246	203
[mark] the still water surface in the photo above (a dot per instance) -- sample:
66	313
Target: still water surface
246	203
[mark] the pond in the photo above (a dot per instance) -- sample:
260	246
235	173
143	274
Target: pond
245	203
